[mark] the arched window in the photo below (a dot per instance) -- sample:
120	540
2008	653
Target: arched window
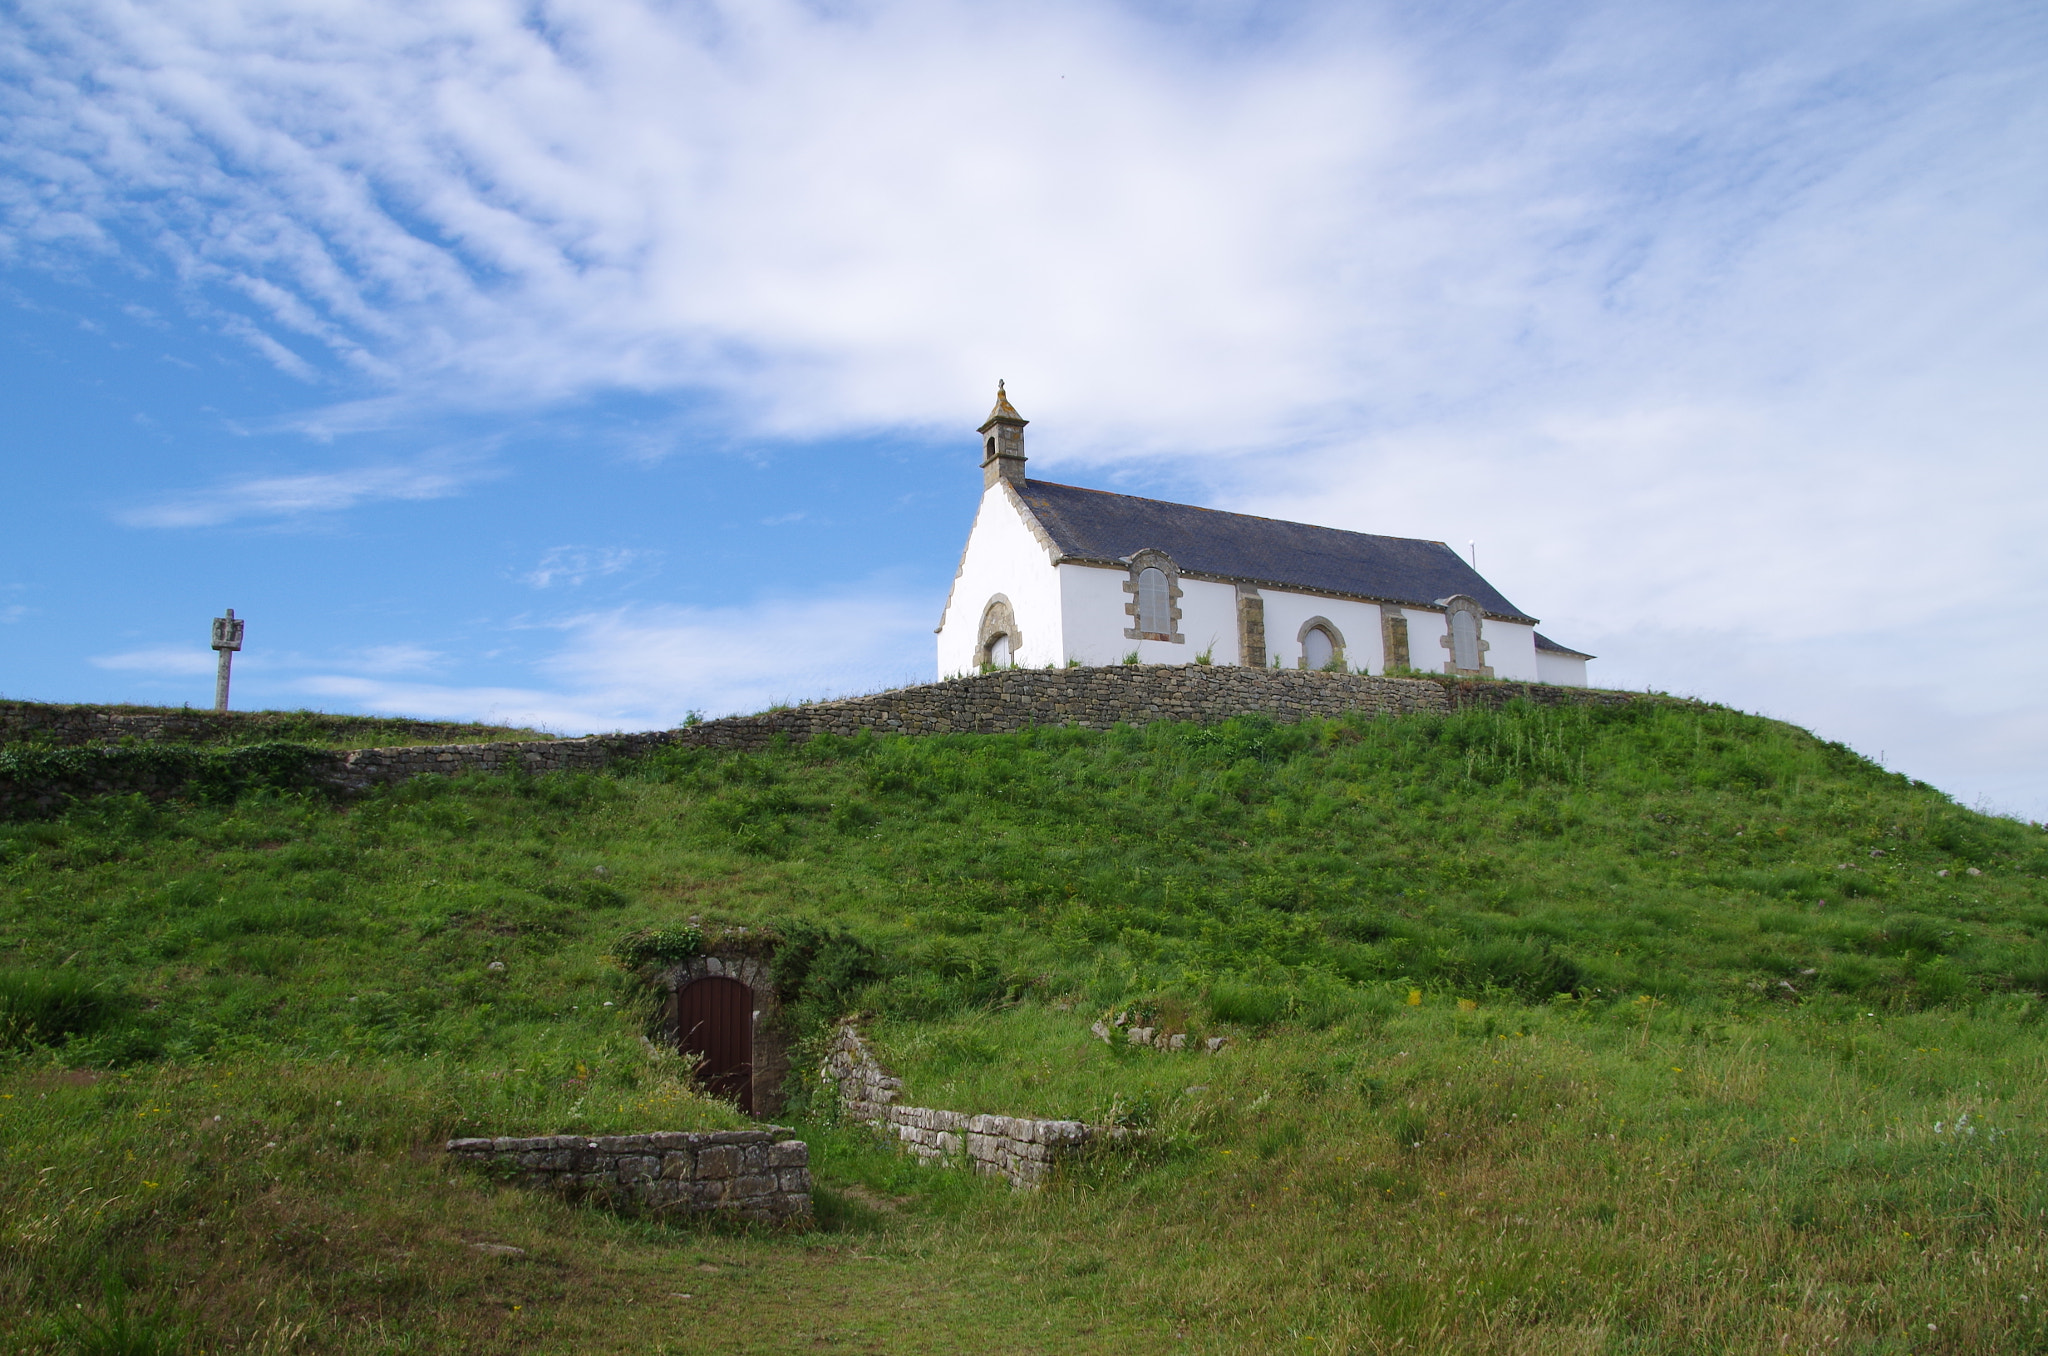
999	652
1155	605
991	447
1464	636
1154	589
1317	649
1464	639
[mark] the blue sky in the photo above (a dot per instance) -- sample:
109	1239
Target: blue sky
592	363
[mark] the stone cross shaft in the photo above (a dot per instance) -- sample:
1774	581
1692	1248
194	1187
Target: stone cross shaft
227	638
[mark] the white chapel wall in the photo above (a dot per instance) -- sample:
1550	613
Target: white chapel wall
1358	624
1208	620
1513	654
1003	556
1092	600
1562	669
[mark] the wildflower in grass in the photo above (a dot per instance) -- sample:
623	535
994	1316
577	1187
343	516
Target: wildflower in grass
1415	998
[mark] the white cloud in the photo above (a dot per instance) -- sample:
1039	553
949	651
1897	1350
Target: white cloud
390	659
575	565
293	496
14	612
164	660
1704	319
647	668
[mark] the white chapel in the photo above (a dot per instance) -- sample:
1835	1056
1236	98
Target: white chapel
1054	575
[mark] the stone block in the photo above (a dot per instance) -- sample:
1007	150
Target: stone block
754	1157
790	1153
638	1167
678	1166
671	1139
470	1146
762	1185
718	1161
794	1179
948	1144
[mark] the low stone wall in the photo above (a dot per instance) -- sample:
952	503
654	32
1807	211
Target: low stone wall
1091	698
751	1175
1021	1149
361	769
70	725
991	703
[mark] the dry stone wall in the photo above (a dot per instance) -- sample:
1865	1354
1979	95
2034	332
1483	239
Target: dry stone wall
755	1175
1019	1148
71	725
991	703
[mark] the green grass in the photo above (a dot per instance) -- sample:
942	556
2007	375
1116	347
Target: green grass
1691	999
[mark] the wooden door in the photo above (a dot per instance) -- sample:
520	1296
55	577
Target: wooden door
715	1020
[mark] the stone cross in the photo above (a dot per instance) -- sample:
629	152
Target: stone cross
227	638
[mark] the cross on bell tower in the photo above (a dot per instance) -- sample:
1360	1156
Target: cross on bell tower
1002	443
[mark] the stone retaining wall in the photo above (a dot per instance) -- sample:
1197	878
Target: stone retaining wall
992	703
740	1174
70	725
1018	1148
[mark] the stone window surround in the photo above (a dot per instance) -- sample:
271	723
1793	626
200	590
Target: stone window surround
1328	628
1451	606
998	618
1138	563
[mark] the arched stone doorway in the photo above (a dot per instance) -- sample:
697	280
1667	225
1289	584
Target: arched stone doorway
714	1020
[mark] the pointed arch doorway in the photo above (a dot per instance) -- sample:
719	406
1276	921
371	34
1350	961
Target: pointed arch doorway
714	1020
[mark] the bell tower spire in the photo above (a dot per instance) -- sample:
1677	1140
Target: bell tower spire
1002	443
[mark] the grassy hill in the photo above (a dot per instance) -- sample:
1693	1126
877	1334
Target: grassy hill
1652	1028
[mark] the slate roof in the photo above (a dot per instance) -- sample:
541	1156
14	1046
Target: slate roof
1544	642
1095	525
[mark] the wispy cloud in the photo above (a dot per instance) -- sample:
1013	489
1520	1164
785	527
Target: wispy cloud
295	496
647	668
572	566
1701	318
162	660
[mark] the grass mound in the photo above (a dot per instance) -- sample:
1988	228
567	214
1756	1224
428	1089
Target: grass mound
1657	1028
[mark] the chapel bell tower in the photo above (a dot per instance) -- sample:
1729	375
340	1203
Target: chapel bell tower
1002	443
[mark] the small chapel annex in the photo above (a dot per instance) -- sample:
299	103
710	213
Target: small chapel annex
1056	575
